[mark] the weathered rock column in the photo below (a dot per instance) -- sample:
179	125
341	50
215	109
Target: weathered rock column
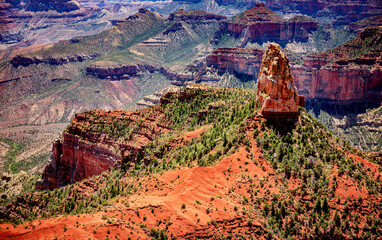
276	91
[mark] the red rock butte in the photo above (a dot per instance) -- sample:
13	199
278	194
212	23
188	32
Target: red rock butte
276	91
260	24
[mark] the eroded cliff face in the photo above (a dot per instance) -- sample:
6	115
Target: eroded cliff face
73	159
350	73
276	91
52	60
313	7
345	74
112	71
194	14
58	5
260	24
97	140
236	60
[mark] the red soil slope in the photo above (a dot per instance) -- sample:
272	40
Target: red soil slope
201	202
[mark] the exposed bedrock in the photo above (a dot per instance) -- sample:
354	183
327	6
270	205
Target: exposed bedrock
276	91
93	143
26	61
260	24
236	60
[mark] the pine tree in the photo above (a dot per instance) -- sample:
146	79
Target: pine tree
317	206
325	205
337	220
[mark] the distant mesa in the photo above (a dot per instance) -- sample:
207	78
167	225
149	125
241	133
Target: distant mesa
260	24
314	7
194	14
259	13
276	91
58	5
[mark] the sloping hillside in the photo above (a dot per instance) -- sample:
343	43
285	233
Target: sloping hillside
219	171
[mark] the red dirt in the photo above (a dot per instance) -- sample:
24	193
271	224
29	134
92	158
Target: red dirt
346	186
187	136
198	202
161	197
371	165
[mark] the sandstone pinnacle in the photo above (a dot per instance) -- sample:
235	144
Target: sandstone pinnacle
276	91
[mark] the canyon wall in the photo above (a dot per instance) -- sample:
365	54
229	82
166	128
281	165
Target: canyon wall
236	60
260	24
28	60
118	72
97	140
311	7
194	14
350	73
58	5
73	159
344	75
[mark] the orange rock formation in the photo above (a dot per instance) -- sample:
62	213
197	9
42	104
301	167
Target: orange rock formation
276	90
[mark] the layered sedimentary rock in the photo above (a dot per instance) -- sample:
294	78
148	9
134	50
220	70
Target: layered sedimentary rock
92	143
276	91
27	60
345	74
194	14
260	24
187	30
111	71
58	5
312	7
236	60
237	3
374	21
73	160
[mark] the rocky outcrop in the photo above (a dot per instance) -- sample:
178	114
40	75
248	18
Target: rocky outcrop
312	7
155	98
374	21
237	3
236	60
194	14
276	91
26	61
58	5
93	143
73	160
260	24
190	77
345	74
117	72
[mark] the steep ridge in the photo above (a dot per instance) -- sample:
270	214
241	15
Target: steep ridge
185	37
260	180
260	24
111	71
89	146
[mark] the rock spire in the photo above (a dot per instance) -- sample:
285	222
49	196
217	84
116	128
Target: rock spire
276	91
